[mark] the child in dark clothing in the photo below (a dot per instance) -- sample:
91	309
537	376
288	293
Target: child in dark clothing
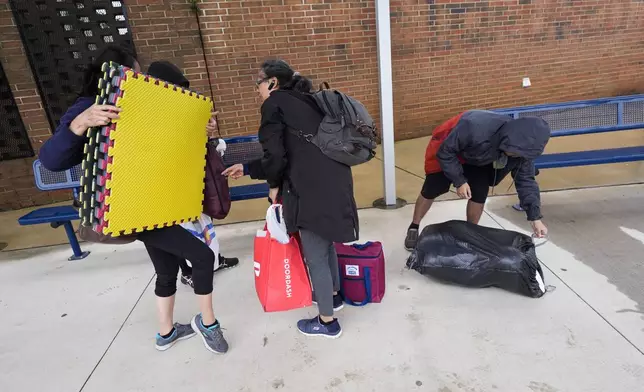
166	71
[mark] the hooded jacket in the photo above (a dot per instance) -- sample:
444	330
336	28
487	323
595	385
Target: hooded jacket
480	137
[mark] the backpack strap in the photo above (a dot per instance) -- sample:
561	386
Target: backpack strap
352	113
307	99
328	101
296	132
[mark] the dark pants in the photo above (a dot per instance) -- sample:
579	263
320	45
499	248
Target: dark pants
186	270
479	178
170	246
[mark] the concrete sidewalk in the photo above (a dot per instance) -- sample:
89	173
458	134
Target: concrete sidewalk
90	325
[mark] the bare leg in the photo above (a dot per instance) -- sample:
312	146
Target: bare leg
205	306
474	211
165	309
421	208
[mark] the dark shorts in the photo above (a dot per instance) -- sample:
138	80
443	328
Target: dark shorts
480	179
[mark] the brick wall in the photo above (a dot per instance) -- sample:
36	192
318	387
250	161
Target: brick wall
326	40
17	188
448	55
451	55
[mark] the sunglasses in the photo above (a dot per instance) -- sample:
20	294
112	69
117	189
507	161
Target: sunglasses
260	81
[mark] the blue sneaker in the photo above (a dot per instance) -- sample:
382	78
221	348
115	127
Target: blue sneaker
212	337
314	327
181	332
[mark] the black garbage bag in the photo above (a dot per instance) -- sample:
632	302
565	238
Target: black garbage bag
477	256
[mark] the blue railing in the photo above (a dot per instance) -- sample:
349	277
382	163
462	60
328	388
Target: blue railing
586	117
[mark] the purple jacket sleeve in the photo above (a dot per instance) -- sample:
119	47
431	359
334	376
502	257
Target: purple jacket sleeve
64	149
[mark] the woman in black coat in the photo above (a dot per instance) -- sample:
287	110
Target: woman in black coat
316	191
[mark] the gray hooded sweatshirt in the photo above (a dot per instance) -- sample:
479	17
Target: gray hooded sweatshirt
480	137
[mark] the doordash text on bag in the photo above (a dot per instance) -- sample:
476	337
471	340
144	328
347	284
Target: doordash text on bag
287	278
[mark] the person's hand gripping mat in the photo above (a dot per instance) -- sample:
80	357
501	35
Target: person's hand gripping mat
477	256
156	157
281	278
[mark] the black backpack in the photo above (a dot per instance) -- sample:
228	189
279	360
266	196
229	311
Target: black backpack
347	133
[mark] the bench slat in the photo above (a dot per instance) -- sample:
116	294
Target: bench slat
247	192
49	215
593	157
593	130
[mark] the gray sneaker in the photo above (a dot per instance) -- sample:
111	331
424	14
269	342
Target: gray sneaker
411	239
212	337
181	332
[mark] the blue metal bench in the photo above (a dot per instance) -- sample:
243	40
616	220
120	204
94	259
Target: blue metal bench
56	216
565	119
239	150
248	192
594	157
588	117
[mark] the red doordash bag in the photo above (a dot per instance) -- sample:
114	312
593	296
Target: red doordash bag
281	278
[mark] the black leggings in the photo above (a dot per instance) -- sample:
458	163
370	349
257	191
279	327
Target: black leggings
167	248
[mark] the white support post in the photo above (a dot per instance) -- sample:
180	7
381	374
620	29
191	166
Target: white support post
383	31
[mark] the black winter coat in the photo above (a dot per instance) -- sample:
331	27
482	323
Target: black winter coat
316	191
480	137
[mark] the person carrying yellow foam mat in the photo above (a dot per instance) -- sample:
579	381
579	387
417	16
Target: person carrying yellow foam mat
166	246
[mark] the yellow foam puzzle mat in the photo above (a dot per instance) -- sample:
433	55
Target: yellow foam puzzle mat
147	168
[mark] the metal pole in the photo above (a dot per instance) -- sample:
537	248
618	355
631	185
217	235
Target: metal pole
383	31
